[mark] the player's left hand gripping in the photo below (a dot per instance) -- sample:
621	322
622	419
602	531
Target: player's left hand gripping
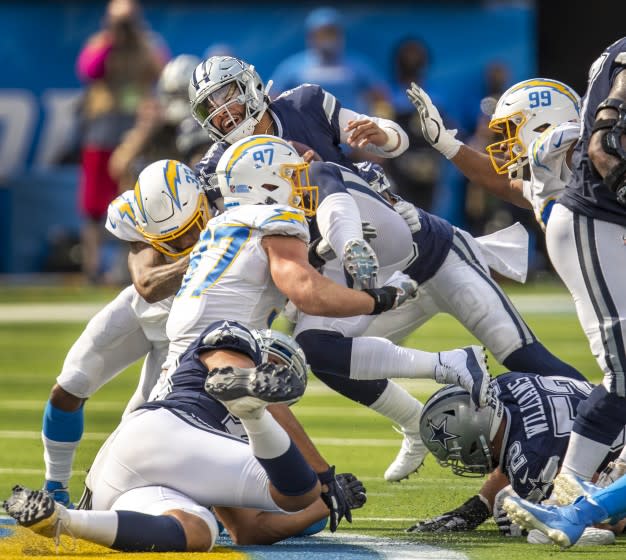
334	498
394	293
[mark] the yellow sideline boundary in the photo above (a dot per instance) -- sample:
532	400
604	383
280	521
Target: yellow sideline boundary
25	544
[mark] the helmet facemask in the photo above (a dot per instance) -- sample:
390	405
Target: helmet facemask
508	153
162	243
244	89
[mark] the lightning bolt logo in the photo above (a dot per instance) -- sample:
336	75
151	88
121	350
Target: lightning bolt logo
286	216
172	180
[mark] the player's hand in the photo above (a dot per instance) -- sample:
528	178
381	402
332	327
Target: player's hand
334	498
353	490
409	214
466	517
394	293
431	123
620	193
307	153
364	132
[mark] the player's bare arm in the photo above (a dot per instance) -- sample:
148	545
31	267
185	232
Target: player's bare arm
307	289
477	167
153	277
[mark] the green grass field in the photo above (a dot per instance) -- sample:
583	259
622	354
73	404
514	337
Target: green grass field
350	436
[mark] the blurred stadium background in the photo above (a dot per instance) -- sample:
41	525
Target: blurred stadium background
39	89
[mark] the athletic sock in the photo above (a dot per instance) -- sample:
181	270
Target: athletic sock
61	434
377	358
582	457
399	406
285	466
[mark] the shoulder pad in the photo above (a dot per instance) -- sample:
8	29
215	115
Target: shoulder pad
121	220
273	219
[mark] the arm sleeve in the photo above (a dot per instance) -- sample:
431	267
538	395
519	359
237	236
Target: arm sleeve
393	130
91	63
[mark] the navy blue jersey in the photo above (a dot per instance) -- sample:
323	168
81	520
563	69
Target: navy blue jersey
185	392
306	114
586	193
540	413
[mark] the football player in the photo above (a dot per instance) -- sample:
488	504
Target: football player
584	239
220	452
161	227
587	227
451	269
524	434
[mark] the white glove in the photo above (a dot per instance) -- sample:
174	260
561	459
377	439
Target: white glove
403	281
505	525
409	214
431	123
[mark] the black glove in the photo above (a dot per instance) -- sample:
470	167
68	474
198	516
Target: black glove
334	498
353	490
391	296
464	518
314	259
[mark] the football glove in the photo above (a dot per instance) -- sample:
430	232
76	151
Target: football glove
409	214
334	498
353	490
394	293
464	518
431	123
505	525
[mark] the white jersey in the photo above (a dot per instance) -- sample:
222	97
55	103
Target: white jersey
548	168
121	220
228	277
122	224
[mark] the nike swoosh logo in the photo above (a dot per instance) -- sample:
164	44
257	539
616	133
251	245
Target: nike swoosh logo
558	143
524	478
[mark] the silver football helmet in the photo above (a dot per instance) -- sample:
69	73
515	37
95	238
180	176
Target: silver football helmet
282	349
219	83
173	85
522	113
458	434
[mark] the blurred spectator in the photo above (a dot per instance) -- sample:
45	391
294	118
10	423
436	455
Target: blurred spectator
415	173
326	63
154	135
120	65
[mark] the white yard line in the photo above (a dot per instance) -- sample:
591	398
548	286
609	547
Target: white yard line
82	312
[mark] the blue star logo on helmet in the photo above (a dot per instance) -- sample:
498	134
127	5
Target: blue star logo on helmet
440	434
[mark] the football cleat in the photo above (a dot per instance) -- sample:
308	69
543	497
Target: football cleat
467	368
245	392
409	459
590	537
361	263
563	525
568	487
37	510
